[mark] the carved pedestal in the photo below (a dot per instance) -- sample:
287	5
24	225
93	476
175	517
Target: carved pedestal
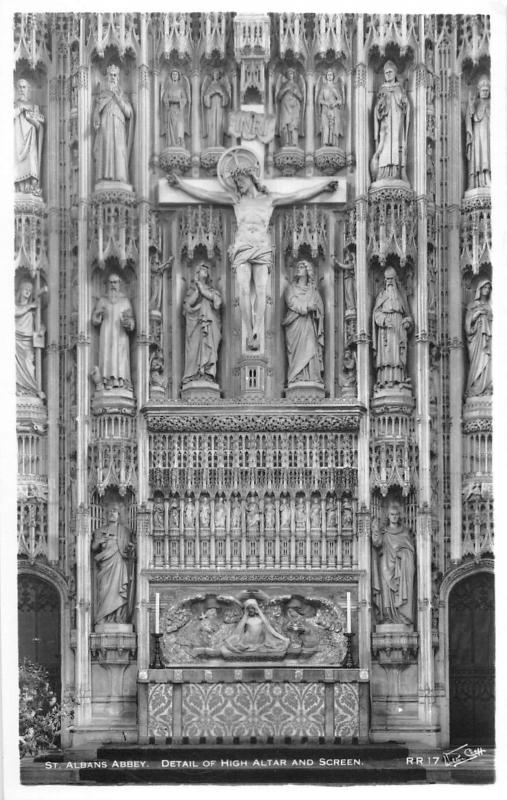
206	391
119	400
304	390
394	708
330	160
175	159
210	158
289	160
113	650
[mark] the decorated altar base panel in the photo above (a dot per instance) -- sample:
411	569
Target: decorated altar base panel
234	705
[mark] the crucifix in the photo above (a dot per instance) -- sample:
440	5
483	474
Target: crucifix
251	254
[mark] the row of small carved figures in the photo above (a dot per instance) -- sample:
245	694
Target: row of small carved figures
286	514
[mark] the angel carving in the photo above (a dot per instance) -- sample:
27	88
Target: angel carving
215	97
329	108
176	108
290	97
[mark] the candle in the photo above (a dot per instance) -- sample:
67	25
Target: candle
349	612
157	613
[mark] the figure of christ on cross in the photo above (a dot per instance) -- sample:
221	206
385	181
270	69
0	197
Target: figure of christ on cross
251	254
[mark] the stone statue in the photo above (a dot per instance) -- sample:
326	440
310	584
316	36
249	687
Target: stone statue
158	513
269	513
300	512
284	513
204	512
176	109
189	513
315	512
114	560
220	512
215	98
478	135
331	512
113	119
479	329
393	569
330	101
114	314
252	251
235	513
349	280
349	370
252	516
391	122
290	98
304	326
392	323
157	282
28	336
174	513
254	634
201	308
28	140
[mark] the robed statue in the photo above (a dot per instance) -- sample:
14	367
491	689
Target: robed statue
28	139
114	315
29	335
393	568
478	147
304	326
113	552
201	308
392	322
290	96
391	116
215	98
113	119
176	109
479	329
329	108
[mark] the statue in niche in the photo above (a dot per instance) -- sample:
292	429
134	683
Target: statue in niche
157	282
29	335
204	512
176	108
391	123
393	568
290	96
349	370
434	382
113	118
285	514
252	252
203	332
315	512
479	329
215	98
174	513
304	326
300	512
331	512
115	317
392	323
158	513
28	140
220	512
188	513
254	633
157	380
269	513
235	513
349	280
113	552
330	101
478	135
346	513
252	516
430	170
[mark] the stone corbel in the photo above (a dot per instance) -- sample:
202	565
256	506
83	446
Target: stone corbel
394	647
113	648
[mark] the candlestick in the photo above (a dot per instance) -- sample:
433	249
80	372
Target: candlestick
157	662
349	614
348	661
157	613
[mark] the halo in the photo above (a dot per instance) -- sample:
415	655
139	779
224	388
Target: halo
237	160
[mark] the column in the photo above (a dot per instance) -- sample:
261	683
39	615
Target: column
456	365
83	556
196	120
423	522
52	387
143	517
309	121
363	349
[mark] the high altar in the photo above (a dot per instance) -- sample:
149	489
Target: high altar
253	372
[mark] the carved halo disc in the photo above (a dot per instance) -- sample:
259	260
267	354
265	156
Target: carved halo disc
234	158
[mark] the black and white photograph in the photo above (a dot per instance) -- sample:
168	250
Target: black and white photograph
247	523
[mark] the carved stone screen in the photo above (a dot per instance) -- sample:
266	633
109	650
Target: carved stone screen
253	313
